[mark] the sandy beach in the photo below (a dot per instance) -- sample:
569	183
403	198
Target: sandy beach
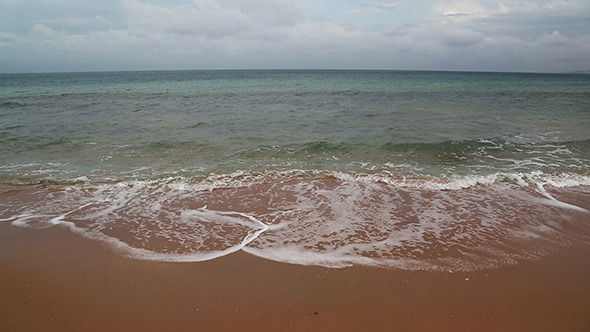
53	280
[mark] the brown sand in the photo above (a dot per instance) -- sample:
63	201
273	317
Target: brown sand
52	280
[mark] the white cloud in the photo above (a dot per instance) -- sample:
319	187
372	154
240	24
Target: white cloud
555	39
460	8
549	7
370	9
41	31
7	39
206	18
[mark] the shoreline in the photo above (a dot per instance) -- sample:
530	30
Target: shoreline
55	280
379	225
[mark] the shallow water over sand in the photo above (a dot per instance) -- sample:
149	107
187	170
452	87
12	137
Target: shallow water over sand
322	221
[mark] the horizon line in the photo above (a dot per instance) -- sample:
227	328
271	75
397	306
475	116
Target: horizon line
293	69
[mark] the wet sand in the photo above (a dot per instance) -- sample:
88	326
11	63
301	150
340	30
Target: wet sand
53	280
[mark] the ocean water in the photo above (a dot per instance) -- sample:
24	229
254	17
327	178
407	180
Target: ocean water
412	170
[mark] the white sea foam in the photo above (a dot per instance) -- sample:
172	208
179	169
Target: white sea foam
203	215
60	219
443	183
331	219
21	219
553	201
300	256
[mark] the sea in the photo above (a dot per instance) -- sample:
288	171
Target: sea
413	170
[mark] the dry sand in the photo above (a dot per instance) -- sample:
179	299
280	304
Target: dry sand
53	280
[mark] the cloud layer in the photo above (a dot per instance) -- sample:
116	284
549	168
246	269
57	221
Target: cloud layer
68	35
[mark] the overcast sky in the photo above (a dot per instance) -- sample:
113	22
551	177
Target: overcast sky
486	35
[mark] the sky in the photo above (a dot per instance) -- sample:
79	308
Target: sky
464	35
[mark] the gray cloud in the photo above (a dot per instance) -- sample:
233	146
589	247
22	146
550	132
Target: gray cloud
195	34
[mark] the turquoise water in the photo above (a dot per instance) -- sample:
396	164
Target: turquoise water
91	138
